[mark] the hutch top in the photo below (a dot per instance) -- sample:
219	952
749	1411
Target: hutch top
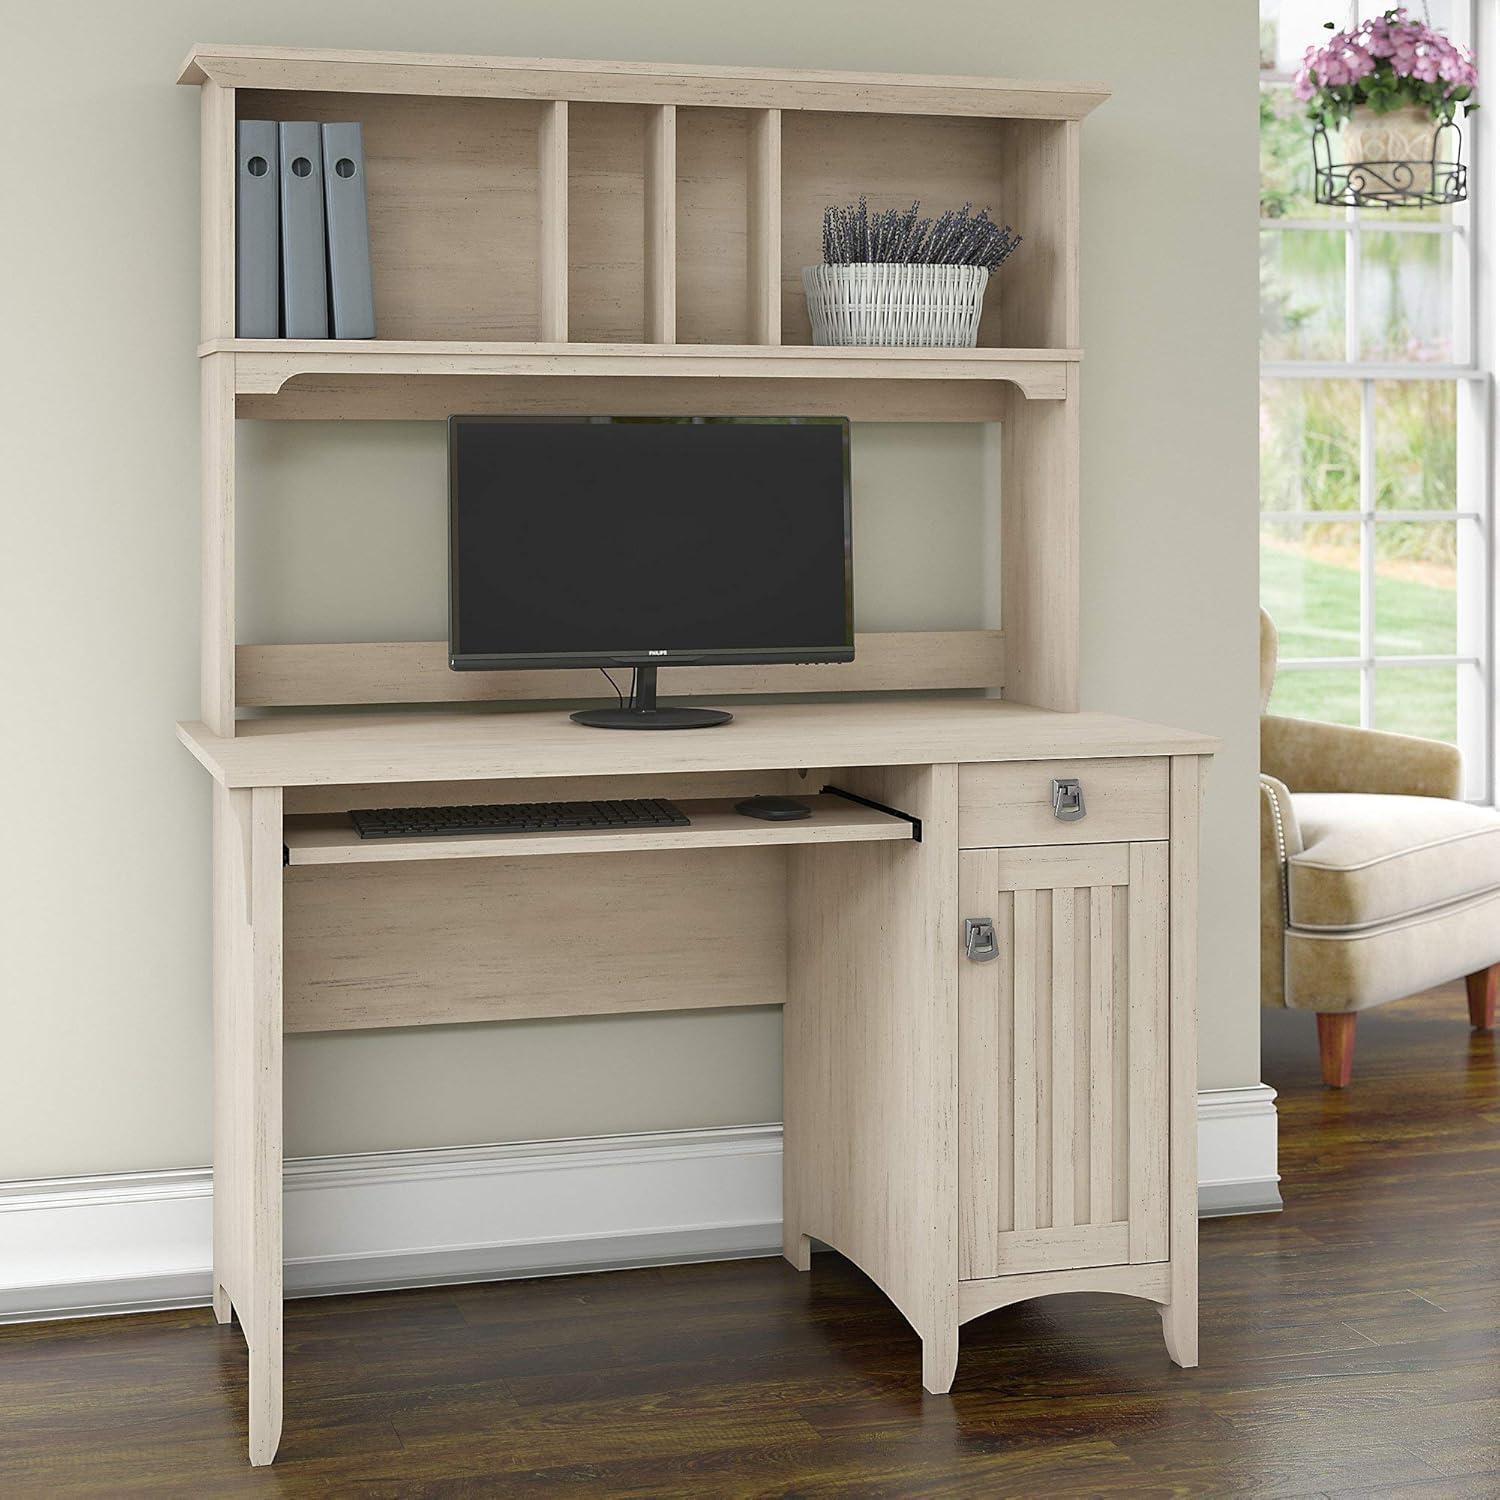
565	237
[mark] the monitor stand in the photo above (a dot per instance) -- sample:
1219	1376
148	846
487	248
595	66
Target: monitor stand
644	714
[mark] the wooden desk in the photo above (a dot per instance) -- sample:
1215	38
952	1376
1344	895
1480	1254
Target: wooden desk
969	1133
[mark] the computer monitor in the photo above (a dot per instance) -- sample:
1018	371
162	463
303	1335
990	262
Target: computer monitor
648	542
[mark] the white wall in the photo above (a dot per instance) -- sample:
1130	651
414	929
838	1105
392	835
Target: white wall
103	857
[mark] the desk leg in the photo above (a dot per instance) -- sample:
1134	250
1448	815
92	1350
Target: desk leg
940	1359
247	1091
224	861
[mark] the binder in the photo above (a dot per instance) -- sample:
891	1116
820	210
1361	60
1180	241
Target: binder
352	294
304	260
257	219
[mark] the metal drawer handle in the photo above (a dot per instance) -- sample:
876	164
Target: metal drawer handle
979	940
1067	799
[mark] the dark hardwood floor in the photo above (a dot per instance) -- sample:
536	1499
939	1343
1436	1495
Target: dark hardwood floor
1351	1346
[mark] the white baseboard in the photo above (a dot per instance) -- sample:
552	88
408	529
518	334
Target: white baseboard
401	1218
79	1246
1237	1170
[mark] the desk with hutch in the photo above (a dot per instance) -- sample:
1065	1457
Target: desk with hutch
569	237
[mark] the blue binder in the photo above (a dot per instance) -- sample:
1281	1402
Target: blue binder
257	219
352	293
304	258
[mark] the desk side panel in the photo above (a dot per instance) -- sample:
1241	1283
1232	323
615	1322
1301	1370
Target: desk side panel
1180	1315
871	1057
247	984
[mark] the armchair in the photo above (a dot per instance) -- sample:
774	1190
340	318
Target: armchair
1376	881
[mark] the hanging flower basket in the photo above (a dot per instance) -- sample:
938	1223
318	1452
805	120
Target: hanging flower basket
1396	86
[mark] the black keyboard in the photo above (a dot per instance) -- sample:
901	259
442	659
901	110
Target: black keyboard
516	817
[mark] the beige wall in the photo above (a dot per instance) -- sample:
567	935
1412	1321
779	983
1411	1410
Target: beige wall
103	858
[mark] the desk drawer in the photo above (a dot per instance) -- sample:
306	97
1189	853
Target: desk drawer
1010	802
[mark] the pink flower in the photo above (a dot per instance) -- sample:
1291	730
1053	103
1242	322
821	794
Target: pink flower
1393	45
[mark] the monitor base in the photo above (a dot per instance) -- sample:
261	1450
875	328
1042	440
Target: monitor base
651	718
642	713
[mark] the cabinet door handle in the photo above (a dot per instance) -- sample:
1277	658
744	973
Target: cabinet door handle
1067	799
979	940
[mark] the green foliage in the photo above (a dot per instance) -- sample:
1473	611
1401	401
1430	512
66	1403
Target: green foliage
1302	294
1383	92
1286	184
1310	459
1315	604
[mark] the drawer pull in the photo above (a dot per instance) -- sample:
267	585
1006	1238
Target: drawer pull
1067	799
979	940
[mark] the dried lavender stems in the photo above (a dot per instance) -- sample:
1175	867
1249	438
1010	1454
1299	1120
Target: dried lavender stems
854	235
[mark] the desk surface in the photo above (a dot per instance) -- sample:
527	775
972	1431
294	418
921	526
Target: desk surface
340	749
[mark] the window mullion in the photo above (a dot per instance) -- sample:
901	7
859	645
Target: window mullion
1366	551
1352	255
1461	293
1317	517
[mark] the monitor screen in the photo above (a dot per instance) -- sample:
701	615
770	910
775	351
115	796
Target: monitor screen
648	541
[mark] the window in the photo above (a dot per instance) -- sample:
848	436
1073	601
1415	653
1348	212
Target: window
1374	418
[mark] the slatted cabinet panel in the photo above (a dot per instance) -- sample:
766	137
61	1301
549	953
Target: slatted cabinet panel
1063	1060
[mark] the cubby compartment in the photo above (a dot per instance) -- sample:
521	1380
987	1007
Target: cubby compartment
453	195
1023	171
713	215
606	219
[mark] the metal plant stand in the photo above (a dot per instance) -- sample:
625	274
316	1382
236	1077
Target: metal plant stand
1392	184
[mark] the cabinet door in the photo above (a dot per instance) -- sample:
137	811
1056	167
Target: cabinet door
1063	1060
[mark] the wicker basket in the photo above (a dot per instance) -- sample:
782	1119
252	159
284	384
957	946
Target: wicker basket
895	304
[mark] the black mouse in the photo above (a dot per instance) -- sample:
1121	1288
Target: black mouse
773	809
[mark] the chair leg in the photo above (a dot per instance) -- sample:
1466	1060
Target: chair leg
1483	989
1336	1047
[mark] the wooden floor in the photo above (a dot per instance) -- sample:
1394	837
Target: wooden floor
1351	1346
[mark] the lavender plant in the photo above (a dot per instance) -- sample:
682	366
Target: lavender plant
853	235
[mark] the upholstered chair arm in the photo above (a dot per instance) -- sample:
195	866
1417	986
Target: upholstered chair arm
1279	840
1311	757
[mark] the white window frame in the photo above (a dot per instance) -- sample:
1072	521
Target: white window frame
1469	372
